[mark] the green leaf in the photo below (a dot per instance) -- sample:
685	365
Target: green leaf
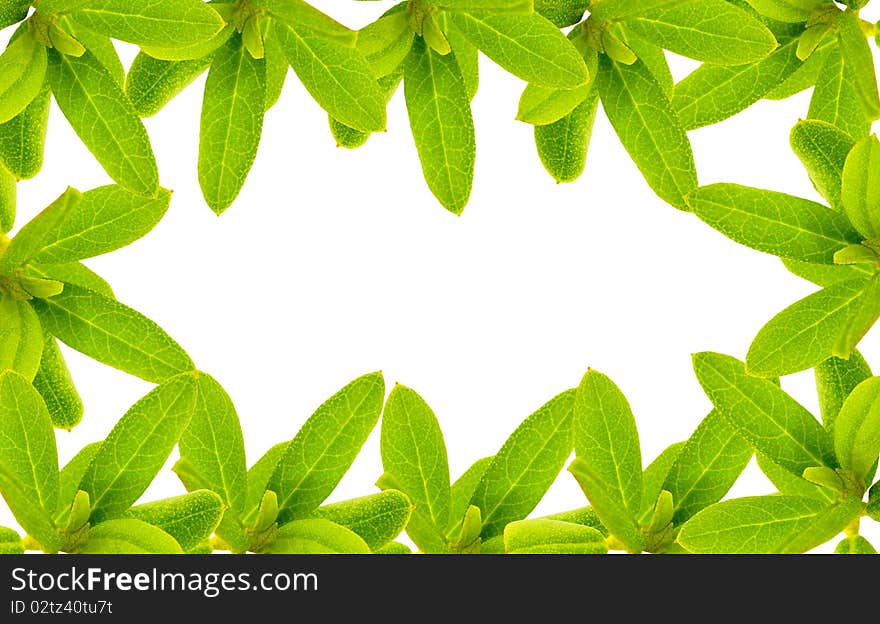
552	537
858	56
764	414
258	477
100	46
805	333
860	320
201	50
627	9
55	385
112	333
21	338
386	42
606	437
35	520
648	127
835	99
10	542
27	446
710	30
74	273
13	11
277	66
511	7
466	54
773	222
562	13
414	456
654	58
860	192
70	477
463	490
583	515
129	537
377	519
526	466
157	23
654	476
22	138
855	545
825	275
337	76
22	71
836	378
231	124
152	83
441	122
766	525
105	219
528	46
34	236
563	145
794	11
297	13
104	119
8	199
857	429
707	467
190	519
213	445
317	537
795	485
713	93
823	149
326	446
805	77
618	519
393	548
138	446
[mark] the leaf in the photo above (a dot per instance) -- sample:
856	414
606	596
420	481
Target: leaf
138	446
861	319
13	11
22	71
201	50
326	446
441	123
231	123
74	273
526	466
317	537
70	477
804	334
857	429
508	7
414	456
35	520
562	13
277	66
822	148
654	476
563	145
113	334
858	56
463	490
386	42
100	46
104	220
8	199
606	437
297	13
795	11
27	446
190	519
825	275
546	537
710	30
528	46
766	525
393	548
104	119
583	515
764	414
855	545
55	385
788	483
648	128
22	138
213	445
337	76
258	477
627	9
707	467
835	99
860	187
10	542
33	236
129	537
805	77
713	93
836	378
21	338
618	519
157	23
152	83
467	55
377	519
773	222
654	58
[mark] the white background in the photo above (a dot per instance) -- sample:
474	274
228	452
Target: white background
333	264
